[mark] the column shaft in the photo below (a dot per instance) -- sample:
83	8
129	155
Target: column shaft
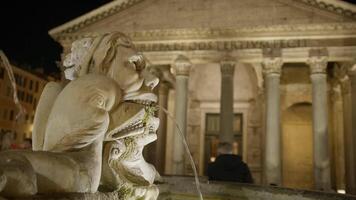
182	66
273	169
350	184
226	103
320	122
181	119
350	138
162	130
273	138
322	176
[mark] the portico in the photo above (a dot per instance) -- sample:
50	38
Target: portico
258	73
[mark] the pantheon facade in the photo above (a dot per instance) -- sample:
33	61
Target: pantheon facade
275	78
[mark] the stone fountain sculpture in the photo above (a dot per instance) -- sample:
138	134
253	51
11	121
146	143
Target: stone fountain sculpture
90	132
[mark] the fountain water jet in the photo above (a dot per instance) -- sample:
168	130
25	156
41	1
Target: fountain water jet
187	151
10	73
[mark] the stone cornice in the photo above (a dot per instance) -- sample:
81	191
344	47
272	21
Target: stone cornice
339	7
329	30
335	6
248	31
92	17
339	34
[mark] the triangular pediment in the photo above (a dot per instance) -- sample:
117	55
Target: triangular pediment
141	15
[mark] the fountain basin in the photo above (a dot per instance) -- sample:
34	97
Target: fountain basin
183	188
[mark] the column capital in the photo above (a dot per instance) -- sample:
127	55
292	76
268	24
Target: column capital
272	65
317	64
227	67
340	73
182	65
336	92
349	68
318	60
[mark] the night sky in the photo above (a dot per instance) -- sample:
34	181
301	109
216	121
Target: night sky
25	25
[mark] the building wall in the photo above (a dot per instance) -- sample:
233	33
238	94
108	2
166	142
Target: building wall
297	133
296	126
29	88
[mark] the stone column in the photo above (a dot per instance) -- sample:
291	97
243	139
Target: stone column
322	176
352	76
347	79
273	169
182	66
227	101
162	130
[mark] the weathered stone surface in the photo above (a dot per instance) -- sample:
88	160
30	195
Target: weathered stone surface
182	188
199	14
108	102
179	188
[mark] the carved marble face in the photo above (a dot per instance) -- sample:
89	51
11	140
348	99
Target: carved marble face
74	59
129	70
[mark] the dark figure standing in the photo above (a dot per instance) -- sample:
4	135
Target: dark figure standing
229	167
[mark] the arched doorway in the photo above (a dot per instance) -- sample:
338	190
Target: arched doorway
297	146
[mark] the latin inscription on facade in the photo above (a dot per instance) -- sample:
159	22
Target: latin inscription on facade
220	45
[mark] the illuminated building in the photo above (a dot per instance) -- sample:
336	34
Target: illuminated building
29	89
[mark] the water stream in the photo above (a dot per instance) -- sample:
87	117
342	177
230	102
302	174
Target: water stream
197	183
10	73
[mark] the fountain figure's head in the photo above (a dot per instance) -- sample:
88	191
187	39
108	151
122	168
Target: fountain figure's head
112	54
